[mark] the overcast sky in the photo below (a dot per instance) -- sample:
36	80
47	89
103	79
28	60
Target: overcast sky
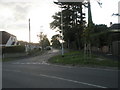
14	15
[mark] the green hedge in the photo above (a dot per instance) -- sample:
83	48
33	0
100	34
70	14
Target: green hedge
13	49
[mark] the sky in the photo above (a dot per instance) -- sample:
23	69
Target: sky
14	15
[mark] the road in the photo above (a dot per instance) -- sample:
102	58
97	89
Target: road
37	73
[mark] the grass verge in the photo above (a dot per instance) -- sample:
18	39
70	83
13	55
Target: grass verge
78	58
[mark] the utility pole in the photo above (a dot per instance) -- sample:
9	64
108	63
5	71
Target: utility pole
29	31
29	35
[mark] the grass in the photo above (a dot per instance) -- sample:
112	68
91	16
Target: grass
78	58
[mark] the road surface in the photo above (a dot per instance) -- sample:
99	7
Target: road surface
35	72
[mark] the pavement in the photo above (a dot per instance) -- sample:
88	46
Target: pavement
36	72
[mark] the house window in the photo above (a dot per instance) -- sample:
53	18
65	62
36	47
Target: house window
13	43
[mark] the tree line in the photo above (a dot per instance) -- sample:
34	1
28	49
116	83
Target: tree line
75	29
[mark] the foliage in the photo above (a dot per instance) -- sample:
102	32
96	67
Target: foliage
55	41
43	40
77	58
75	33
13	49
97	35
100	28
72	22
103	36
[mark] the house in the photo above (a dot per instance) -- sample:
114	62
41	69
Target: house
115	27
115	34
7	39
112	41
114	31
30	46
33	46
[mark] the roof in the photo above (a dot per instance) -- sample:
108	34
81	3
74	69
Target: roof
70	0
115	26
5	36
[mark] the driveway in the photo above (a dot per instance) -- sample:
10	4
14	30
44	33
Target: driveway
40	59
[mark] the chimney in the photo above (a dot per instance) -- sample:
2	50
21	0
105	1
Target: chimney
110	24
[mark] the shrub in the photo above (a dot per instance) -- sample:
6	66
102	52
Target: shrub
13	49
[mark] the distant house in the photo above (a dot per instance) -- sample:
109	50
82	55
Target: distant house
115	31
115	34
7	39
112	41
30	46
115	27
33	46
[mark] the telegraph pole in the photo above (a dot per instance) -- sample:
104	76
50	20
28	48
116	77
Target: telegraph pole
29	35
29	31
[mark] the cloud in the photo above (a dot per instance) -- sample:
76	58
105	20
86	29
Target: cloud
21	1
14	15
21	10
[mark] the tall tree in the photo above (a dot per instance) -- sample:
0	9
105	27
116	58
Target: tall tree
72	18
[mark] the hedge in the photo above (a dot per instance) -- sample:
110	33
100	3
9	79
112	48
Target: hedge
13	49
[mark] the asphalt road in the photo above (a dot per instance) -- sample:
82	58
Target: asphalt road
29	73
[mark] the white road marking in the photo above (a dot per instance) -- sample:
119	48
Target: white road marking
60	78
74	81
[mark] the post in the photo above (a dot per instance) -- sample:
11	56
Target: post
62	31
29	35
29	31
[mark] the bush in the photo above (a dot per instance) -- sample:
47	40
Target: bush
13	49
